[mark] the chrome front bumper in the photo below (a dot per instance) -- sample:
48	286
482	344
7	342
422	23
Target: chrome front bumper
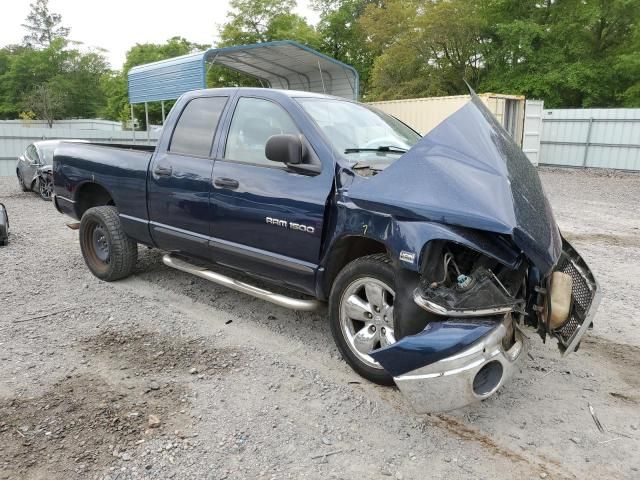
469	376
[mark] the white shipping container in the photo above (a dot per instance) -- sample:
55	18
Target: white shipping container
423	114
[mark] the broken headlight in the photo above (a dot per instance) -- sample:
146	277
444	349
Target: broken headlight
465	285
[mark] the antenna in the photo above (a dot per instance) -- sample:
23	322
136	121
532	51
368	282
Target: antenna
322	78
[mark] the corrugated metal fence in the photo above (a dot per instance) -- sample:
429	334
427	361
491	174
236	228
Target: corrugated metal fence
15	138
593	137
603	138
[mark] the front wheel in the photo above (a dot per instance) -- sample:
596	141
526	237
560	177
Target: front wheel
107	250
361	314
45	187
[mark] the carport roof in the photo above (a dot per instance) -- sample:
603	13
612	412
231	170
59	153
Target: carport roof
283	64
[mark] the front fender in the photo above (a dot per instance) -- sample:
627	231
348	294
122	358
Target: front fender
406	241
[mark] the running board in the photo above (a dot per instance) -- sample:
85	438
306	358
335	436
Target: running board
202	272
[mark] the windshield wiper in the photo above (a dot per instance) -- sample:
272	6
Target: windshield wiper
382	148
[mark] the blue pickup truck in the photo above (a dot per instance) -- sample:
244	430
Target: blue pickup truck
433	254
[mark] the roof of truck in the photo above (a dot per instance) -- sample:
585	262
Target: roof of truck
263	91
283	64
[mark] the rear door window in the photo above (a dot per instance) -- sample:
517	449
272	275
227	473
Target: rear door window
196	127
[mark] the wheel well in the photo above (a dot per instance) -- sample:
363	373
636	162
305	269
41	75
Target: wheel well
91	195
344	251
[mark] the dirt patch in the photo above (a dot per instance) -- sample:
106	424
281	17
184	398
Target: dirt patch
150	352
468	433
606	239
78	427
622	358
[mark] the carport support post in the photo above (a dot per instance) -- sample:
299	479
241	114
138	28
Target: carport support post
133	125
146	116
162	105
586	145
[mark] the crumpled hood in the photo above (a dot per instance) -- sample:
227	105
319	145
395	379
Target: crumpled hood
468	172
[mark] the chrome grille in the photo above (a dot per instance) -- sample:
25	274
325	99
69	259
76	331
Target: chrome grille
583	293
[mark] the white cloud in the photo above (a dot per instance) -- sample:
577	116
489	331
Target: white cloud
117	25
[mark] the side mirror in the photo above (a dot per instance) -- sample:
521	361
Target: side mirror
285	148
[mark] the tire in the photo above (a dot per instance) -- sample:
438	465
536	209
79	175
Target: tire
23	187
107	250
45	189
363	318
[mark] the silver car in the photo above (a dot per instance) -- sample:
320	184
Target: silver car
35	156
35	165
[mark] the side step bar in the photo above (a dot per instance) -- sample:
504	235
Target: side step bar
202	272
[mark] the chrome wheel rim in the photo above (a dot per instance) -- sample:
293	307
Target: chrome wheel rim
366	317
46	189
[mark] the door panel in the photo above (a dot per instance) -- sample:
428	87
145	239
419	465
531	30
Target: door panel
179	182
272	211
267	220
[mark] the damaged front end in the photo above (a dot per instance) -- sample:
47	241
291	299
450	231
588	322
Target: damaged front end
468	175
476	314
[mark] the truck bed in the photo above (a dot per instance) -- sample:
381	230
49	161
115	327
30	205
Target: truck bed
120	169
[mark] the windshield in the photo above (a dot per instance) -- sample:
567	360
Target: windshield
360	133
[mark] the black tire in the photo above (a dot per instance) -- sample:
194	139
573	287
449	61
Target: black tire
378	267
45	189
23	187
107	250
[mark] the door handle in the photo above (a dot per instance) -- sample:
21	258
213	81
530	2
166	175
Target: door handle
226	183
163	171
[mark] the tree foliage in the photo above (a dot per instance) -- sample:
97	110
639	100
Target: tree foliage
74	73
43	26
46	101
258	21
570	53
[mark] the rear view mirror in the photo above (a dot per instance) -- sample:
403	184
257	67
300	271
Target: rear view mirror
285	148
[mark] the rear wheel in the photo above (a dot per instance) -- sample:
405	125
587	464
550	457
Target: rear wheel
21	184
361	314
107	250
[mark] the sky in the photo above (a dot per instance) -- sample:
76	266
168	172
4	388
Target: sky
117	25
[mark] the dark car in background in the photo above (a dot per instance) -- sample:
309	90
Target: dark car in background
34	169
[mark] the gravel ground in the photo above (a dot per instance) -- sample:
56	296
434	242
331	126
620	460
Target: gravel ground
165	375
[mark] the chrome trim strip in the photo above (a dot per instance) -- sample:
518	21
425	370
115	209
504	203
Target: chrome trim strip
255	254
135	219
60	197
252	252
432	307
278	299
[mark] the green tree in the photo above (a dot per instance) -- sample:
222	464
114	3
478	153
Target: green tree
571	53
425	48
43	26
258	21
47	101
343	37
70	71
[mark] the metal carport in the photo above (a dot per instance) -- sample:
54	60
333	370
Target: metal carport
282	64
